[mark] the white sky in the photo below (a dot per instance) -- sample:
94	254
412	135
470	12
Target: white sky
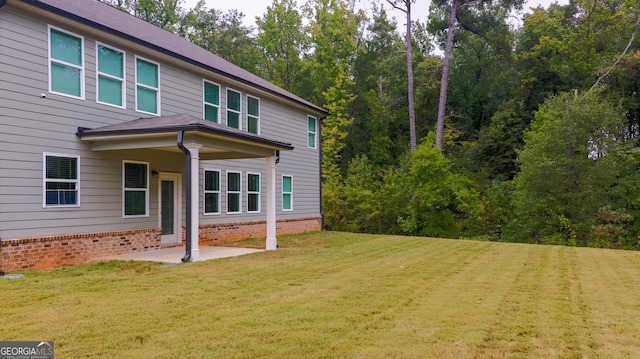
253	8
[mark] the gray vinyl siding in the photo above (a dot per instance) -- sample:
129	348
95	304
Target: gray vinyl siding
31	125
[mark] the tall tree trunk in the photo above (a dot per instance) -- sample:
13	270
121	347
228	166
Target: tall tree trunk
444	83
412	115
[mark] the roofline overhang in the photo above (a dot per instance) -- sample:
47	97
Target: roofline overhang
160	49
192	128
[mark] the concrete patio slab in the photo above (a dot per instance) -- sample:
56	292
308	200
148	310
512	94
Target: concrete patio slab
175	254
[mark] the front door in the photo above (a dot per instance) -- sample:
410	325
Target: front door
169	208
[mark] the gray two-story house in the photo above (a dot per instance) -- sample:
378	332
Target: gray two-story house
118	136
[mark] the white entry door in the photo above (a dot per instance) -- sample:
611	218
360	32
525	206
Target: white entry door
169	208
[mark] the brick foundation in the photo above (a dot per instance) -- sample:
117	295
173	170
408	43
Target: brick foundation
67	250
228	232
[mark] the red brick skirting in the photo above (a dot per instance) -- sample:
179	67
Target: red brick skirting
71	249
229	232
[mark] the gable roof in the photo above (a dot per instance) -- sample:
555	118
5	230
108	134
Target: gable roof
107	18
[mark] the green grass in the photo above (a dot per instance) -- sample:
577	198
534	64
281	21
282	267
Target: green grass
326	295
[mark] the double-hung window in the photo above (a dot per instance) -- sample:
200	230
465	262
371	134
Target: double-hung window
147	86
211	192
61	185
287	193
66	63
253	115
234	105
135	192
312	131
211	102
234	187
111	74
253	192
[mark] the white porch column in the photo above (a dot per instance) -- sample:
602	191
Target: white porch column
272	242
194	149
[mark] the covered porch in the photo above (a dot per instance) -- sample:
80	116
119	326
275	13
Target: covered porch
197	140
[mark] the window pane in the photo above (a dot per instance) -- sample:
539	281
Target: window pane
109	91
286	184
147	73
233	181
312	140
211	113
286	201
135	203
252	125
135	175
211	180
233	100
311	124
233	202
211	93
233	119
65	79
62	168
253	106
147	100
65	47
253	184
61	193
211	203
110	61
253	204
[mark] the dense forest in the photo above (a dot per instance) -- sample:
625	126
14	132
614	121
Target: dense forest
502	132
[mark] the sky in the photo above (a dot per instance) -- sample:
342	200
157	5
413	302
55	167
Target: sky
420	9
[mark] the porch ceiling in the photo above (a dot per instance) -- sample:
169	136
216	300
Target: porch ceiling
160	133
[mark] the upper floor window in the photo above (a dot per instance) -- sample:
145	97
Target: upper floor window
66	63
253	192
211	192
234	186
147	86
211	102
111	76
312	131
61	180
234	104
135	189
253	115
287	193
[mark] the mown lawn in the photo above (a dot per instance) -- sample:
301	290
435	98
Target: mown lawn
326	295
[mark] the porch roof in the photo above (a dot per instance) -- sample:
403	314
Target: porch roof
218	141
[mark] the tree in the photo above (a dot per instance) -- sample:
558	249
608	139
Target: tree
480	17
437	201
282	43
412	115
224	34
568	167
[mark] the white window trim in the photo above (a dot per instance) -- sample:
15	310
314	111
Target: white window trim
283	193
259	192
146	190
232	110
204	101
123	79
315	134
227	192
50	59
158	97
250	115
45	180
205	191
